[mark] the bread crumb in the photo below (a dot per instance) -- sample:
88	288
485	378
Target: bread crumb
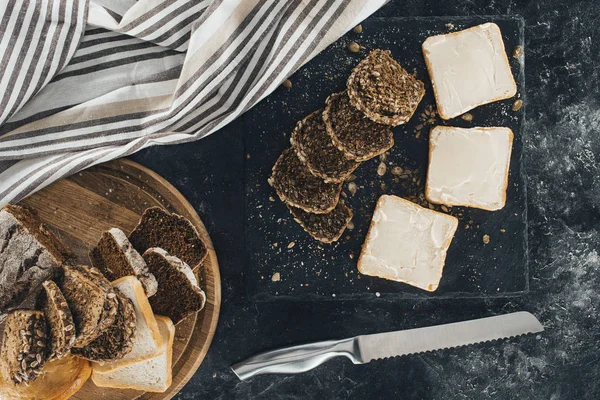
214	375
357	29
352	188
503	230
353	47
351	255
248	156
517	51
350	225
287	84
486	239
275	244
276	277
449	26
377	294
271	198
467	117
292	244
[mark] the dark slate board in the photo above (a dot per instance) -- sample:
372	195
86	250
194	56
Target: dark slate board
309	269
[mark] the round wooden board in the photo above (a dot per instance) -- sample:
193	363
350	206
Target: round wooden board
115	194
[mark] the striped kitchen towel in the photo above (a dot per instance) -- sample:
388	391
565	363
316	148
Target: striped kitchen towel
84	82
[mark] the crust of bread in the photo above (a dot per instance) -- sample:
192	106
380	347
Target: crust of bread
431	288
511	137
440	107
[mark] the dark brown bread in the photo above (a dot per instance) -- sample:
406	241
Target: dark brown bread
380	88
92	301
315	148
61	328
297	186
117	340
178	294
326	228
115	257
24	346
352	132
29	254
172	232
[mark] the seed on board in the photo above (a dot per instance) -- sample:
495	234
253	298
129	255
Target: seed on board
467	117
292	244
353	47
357	29
517	52
350	225
397	170
287	84
352	188
350	178
276	277
383	156
517	105
381	169
486	239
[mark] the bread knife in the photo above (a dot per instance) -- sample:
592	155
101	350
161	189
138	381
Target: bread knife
365	348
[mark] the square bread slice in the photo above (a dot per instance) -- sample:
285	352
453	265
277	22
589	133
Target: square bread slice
469	166
151	375
407	243
468	68
147	340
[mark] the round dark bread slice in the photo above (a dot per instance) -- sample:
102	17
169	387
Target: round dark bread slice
169	231
24	346
117	340
297	186
356	135
61	328
326	228
178	294
380	88
315	148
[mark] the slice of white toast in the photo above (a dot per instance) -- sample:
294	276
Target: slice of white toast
151	375
147	340
407	243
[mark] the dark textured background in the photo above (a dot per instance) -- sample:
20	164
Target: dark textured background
562	157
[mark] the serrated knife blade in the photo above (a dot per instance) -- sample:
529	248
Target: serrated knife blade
365	348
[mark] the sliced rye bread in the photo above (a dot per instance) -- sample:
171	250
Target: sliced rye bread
24	346
297	186
172	232
115	257
315	148
381	89
178	294
92	300
326	228
356	135
117	340
29	254
61	328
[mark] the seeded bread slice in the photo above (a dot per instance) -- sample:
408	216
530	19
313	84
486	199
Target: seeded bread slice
61	328
178	294
380	88
172	232
315	148
24	346
92	302
356	135
115	257
117	340
297	186
326	228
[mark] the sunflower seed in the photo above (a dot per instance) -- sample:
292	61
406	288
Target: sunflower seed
40	333
111	295
69	328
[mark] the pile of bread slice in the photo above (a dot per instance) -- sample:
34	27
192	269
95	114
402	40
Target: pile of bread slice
114	320
329	144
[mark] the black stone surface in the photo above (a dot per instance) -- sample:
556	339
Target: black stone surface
562	150
312	270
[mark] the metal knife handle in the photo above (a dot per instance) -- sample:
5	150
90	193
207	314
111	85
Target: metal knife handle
296	359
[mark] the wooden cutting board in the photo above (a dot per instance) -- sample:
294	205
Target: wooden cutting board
115	194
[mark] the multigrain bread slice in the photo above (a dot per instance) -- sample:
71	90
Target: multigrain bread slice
29	254
178	294
91	299
61	328
151	375
352	132
117	340
147	340
115	257
59	379
326	228
24	346
172	232
315	148
380	88
297	186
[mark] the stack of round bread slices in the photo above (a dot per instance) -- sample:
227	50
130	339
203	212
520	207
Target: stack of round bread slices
329	144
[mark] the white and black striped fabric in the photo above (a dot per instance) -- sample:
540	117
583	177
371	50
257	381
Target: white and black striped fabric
84	82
